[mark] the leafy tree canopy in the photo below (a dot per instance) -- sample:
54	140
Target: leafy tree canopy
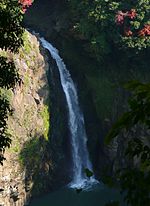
11	32
104	23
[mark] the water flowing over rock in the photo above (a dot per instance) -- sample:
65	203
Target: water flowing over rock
80	156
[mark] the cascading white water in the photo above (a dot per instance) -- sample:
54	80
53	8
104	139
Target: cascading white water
76	124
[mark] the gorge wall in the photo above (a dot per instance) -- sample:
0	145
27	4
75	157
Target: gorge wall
39	158
99	83
26	161
40	146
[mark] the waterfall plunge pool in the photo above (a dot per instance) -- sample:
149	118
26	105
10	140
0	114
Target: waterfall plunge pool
99	196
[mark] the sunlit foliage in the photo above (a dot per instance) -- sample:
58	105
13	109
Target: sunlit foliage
11	32
109	23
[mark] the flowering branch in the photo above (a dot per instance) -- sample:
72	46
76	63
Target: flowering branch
130	15
25	4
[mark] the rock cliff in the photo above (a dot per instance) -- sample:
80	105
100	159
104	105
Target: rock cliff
29	127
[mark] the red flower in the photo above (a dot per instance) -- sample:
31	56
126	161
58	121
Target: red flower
132	14
25	4
119	19
145	31
127	32
120	16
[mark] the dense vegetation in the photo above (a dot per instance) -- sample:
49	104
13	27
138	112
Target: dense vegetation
117	33
11	33
107	24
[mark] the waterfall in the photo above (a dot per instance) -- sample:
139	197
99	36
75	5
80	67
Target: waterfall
76	124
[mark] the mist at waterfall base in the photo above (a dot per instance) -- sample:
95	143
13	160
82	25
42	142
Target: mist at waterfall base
93	193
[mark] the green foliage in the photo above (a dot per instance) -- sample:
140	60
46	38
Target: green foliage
137	186
26	43
135	178
8	73
11	20
46	120
96	21
31	158
6	94
11	31
30	153
26	80
4	137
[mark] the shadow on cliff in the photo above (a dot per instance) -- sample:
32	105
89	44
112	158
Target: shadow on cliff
46	161
49	17
33	161
35	157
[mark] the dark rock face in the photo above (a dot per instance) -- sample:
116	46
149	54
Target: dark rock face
48	17
59	141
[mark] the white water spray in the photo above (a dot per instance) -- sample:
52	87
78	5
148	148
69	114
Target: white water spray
78	136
